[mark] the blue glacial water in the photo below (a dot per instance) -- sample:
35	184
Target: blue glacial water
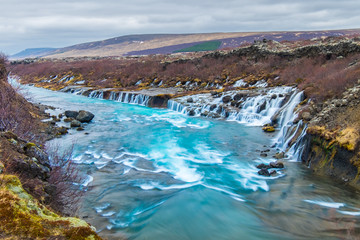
158	174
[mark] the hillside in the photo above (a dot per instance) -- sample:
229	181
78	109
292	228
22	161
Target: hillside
172	43
32	53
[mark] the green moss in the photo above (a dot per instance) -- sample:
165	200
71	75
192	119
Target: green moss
30	145
23	217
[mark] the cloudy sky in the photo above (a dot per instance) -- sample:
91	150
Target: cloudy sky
60	23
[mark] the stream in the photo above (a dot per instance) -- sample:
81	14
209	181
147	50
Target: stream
158	174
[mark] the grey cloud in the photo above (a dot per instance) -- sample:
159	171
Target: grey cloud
58	23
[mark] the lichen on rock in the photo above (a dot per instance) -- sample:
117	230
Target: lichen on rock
22	217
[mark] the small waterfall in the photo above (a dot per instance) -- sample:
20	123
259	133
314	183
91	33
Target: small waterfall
286	120
97	94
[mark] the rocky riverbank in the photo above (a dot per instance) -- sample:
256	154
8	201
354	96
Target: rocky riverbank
333	136
32	184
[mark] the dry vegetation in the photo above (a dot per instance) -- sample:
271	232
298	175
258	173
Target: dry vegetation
321	75
31	184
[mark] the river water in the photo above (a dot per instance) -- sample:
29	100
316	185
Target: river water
158	174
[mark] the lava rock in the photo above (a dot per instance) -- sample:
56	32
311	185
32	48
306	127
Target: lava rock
85	116
71	114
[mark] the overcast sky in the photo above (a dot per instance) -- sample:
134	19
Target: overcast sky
60	23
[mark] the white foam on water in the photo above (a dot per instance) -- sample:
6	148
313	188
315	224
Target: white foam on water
87	180
349	213
108	214
207	155
102	207
231	194
173	159
326	204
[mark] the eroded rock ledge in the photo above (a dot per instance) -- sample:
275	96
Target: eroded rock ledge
333	138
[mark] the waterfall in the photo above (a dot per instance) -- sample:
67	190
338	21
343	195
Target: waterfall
97	94
124	97
279	102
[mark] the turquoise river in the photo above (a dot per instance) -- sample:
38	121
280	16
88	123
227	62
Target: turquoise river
158	174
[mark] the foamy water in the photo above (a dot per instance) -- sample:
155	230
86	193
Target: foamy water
158	174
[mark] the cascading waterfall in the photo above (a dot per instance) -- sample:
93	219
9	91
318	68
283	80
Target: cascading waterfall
124	97
257	111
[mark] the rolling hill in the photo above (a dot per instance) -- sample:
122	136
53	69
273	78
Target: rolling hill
173	43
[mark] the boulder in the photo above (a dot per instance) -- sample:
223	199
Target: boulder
264	172
71	114
239	96
190	100
85	116
75	123
276	165
226	99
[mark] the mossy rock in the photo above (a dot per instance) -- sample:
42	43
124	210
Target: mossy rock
268	129
22	217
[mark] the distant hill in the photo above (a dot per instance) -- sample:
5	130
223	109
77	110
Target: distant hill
177	43
32	53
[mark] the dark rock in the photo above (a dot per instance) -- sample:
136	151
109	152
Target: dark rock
213	115
62	130
85	116
274	96
204	114
239	96
75	123
190	100
61	115
71	114
191	112
276	165
212	107
262	106
262	166
226	99
273	172
68	119
264	172
80	129
263	155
